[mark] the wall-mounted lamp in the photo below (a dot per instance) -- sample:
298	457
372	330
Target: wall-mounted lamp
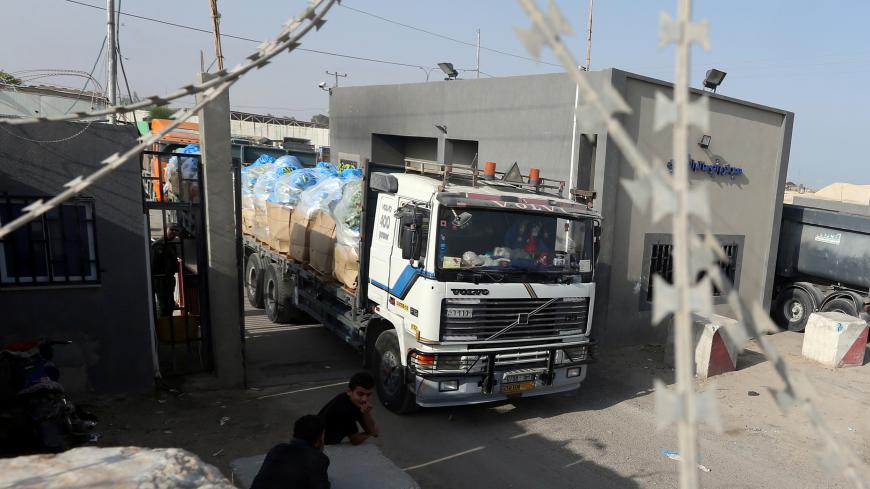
705	141
714	79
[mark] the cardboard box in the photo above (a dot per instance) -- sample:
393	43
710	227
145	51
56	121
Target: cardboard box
321	242
247	201
346	265
261	223
248	221
299	237
278	218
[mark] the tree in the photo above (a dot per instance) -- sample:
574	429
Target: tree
321	119
8	79
161	112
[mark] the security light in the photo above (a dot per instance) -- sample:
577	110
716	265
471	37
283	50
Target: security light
448	70
705	141
322	85
714	79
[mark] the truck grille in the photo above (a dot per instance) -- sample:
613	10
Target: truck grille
478	319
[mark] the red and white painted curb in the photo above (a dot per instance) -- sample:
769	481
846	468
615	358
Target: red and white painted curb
835	339
715	352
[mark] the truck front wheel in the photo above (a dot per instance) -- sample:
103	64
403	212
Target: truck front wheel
793	309
390	375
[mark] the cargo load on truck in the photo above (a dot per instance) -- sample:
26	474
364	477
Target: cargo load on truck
305	213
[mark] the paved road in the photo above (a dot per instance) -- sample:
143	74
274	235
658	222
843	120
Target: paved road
603	435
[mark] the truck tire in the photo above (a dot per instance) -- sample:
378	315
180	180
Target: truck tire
276	296
841	304
254	281
793	308
390	375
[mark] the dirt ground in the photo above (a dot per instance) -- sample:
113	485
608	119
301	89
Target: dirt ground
600	436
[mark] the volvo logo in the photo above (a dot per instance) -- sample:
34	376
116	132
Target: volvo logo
470	291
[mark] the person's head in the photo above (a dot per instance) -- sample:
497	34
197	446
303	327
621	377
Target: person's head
172	231
360	388
309	428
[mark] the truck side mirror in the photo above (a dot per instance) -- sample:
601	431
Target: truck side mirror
410	236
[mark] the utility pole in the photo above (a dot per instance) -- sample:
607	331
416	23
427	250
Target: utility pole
112	52
589	37
336	74
216	28
478	53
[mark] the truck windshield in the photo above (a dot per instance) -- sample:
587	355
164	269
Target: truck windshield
502	245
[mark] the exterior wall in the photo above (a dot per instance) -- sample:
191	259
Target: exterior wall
276	132
529	120
109	323
745	210
31	102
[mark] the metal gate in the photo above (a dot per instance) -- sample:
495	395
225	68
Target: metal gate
175	216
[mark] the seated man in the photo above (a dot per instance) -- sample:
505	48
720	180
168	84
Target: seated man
298	464
345	411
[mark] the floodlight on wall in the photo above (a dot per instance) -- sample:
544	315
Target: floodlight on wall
705	141
448	70
714	79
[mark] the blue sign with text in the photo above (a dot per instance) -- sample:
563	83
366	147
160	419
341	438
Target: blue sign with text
714	170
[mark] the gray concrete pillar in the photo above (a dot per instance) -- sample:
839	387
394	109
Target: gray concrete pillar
224	297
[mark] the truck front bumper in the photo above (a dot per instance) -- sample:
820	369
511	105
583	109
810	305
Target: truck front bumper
496	380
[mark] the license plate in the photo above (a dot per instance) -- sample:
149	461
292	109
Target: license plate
518	377
456	313
517	387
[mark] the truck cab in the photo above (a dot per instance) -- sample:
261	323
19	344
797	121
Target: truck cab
480	290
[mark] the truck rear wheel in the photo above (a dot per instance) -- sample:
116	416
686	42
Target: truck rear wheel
793	309
254	281
841	304
276	295
390	375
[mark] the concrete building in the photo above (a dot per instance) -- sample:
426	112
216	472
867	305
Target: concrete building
47	101
529	120
79	272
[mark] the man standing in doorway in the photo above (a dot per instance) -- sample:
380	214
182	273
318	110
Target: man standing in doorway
164	266
348	411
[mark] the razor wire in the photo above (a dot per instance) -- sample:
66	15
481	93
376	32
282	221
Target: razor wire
258	59
210	90
693	256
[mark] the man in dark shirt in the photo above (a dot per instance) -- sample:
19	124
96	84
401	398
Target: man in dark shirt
350	410
300	464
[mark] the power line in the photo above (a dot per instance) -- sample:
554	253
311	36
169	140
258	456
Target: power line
241	38
447	38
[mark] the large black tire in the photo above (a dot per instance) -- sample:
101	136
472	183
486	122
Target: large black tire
276	295
390	375
254	281
793	308
841	304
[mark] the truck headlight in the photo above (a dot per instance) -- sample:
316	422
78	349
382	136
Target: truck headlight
572	354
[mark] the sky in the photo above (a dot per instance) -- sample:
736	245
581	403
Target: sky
808	57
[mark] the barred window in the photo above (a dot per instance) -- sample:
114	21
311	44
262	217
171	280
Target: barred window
58	247
661	262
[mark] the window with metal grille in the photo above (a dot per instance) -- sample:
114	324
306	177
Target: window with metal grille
58	247
661	262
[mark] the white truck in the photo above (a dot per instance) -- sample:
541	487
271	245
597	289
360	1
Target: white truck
471	289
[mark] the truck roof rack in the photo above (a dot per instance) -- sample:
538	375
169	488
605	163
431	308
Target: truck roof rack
469	174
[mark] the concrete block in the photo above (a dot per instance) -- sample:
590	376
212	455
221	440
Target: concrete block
362	466
835	339
715	351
